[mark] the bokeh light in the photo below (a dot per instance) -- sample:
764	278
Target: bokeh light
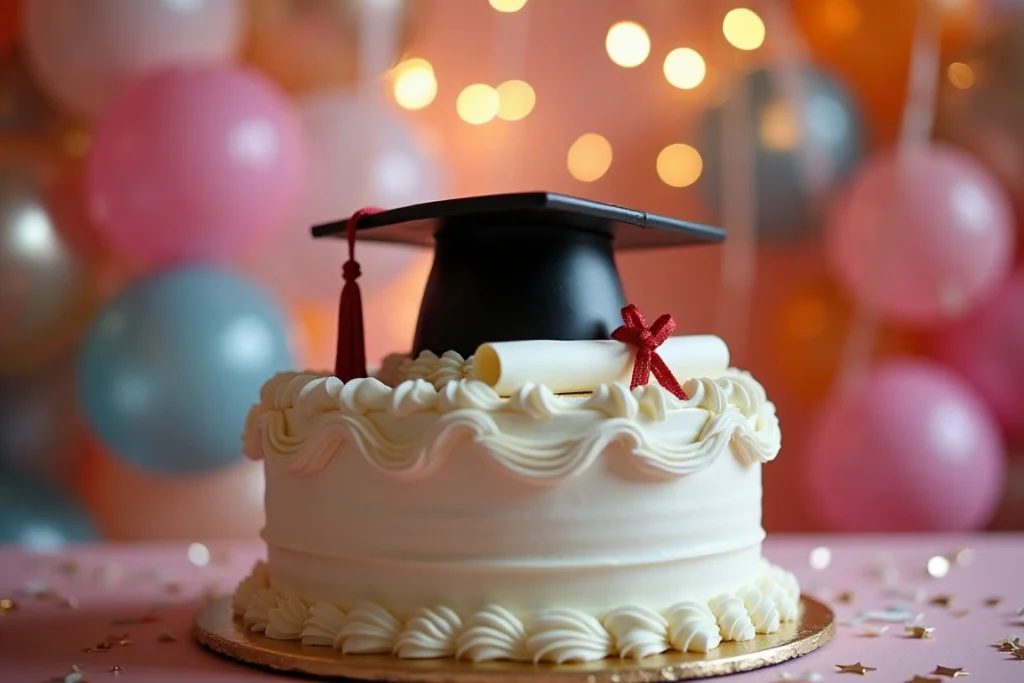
679	165
840	17
589	157
684	68
415	85
628	44
477	104
743	29
960	75
508	5
777	128
515	100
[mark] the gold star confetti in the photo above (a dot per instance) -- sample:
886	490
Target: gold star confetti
846	597
924	679
166	637
857	668
1008	644
993	601
7	605
950	671
920	632
873	632
942	600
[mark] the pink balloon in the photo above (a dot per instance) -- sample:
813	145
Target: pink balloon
921	236
987	348
84	51
907	447
360	154
195	163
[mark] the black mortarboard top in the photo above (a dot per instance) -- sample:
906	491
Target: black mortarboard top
509	267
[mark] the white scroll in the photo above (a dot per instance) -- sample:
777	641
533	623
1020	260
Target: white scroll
568	367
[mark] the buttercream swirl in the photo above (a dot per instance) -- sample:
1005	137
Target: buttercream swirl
638	631
557	635
257	613
306	420
761	610
430	633
731	614
287	620
247	587
369	629
567	635
492	633
692	627
450	366
323	625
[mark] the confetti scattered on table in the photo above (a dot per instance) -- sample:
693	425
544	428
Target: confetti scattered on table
894	614
805	677
7	605
924	679
166	637
846	598
949	671
874	631
116	669
920	632
993	601
75	676
857	668
1008	644
941	600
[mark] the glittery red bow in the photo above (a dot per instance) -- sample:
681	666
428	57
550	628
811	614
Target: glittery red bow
647	340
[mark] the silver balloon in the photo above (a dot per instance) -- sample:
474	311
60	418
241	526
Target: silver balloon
46	291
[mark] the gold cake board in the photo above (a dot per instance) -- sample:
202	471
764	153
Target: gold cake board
216	627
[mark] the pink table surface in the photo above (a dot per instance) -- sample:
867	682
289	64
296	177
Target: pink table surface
112	584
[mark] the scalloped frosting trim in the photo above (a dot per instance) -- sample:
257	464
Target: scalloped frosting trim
556	635
307	419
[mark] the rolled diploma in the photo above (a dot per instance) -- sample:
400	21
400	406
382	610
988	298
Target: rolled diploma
568	367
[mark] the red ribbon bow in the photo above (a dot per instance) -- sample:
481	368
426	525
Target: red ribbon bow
646	339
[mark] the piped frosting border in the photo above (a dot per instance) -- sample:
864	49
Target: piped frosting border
555	635
307	419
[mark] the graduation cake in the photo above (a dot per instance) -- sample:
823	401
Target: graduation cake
546	477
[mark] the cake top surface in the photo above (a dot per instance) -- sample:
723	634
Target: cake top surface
520	266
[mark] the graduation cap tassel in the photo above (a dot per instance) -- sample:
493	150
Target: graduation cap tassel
350	361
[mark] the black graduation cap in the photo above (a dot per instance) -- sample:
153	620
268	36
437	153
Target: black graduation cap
509	267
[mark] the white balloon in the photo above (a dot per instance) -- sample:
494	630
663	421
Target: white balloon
83	51
362	154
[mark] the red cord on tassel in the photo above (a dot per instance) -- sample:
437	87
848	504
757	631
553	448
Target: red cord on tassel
350	361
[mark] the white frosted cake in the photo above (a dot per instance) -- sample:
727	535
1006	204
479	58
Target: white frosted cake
527	506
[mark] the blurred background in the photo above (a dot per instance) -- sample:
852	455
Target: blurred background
161	162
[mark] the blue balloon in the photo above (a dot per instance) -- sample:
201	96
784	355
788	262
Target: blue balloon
38	516
171	367
827	120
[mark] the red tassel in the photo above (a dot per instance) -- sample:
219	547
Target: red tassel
350	361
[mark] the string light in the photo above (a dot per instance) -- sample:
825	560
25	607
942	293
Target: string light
508	5
743	28
777	128
684	68
627	44
679	165
961	76
589	157
515	100
415	85
477	104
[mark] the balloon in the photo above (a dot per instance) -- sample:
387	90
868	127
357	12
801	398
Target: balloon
85	51
37	516
132	505
38	423
47	293
170	368
987	348
921	236
195	163
314	44
822	137
810	328
360	154
907	446
981	106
